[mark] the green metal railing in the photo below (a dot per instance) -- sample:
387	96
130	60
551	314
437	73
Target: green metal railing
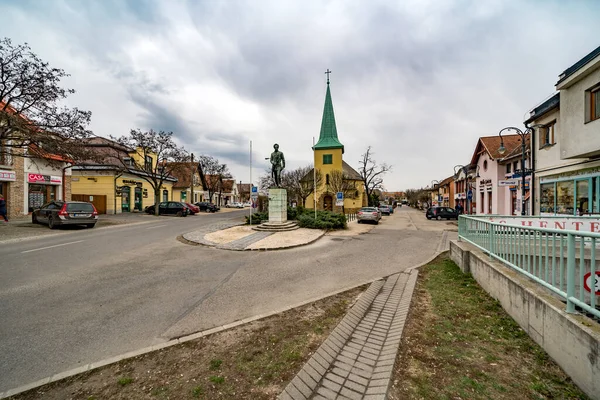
559	260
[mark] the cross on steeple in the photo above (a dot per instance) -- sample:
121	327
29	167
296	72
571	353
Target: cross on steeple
327	73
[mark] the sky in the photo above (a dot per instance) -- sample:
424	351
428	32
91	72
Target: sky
417	80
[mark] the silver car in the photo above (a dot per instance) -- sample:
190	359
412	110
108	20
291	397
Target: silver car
371	214
58	213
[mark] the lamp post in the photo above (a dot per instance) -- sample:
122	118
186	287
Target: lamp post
523	170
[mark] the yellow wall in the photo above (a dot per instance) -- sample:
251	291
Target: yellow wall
350	205
103	183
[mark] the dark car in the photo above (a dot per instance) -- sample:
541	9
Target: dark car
57	213
169	208
207	207
441	212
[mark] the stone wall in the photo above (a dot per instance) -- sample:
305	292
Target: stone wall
572	340
16	189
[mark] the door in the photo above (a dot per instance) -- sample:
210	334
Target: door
125	198
138	199
328	203
162	208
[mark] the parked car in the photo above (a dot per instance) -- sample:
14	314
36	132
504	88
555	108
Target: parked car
169	208
441	212
207	207
385	210
57	213
371	214
247	204
193	210
234	205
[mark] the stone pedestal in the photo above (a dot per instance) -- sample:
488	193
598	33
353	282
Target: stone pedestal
277	206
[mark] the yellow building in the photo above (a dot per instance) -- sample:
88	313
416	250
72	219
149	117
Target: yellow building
334	175
112	190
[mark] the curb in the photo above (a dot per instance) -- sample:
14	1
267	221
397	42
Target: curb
291	246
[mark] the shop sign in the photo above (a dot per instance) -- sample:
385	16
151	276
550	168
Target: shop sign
508	182
8	176
131	182
460	196
570	174
559	223
44	179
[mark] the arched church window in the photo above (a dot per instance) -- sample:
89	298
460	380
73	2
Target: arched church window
327	179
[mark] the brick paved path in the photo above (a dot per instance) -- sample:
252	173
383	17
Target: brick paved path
244	242
357	359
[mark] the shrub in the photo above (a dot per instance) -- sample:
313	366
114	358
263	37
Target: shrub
325	220
257	218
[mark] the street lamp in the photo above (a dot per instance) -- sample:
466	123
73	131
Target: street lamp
523	171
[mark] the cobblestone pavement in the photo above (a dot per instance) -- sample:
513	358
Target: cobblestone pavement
357	359
198	235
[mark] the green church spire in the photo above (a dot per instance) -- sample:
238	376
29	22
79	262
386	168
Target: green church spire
328	138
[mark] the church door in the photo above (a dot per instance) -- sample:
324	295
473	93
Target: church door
328	203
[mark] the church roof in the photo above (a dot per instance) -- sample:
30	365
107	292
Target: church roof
328	138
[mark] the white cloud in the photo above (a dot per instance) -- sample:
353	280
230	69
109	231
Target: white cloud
420	81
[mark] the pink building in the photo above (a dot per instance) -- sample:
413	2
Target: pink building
491	167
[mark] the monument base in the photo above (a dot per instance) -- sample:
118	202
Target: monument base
277	213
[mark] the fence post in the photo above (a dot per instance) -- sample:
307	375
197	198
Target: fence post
570	272
492	237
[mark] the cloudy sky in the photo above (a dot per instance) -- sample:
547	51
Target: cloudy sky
418	80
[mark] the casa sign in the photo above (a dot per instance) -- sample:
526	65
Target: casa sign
44	179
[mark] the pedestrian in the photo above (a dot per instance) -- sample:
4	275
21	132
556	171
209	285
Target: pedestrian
459	208
3	208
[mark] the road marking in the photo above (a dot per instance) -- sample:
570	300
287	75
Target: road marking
49	247
156	226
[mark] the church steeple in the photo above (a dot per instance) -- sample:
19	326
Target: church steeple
328	138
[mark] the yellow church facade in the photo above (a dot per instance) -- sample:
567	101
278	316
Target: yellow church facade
333	175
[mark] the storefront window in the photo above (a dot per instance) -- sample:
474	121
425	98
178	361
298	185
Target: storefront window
565	200
183	196
583	198
547	198
595	194
138	198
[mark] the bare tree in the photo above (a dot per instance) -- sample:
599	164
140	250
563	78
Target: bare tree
154	157
212	173
32	122
372	173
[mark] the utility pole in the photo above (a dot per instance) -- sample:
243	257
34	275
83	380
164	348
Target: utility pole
192	181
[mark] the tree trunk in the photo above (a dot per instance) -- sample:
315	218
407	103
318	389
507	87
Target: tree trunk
156	200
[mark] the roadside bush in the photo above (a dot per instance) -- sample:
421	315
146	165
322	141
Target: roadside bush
293	213
325	220
257	218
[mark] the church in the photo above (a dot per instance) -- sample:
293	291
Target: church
333	174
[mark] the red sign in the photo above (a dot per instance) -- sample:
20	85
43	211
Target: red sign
45	179
587	282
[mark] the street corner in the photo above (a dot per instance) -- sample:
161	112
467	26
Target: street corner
285	240
354	229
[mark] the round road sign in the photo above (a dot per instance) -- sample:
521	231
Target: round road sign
587	282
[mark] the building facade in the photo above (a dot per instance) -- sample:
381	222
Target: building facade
567	143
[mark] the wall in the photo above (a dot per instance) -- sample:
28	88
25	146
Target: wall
493	173
99	183
579	139
572	340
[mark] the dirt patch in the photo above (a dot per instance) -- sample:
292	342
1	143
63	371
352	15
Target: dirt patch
252	361
459	343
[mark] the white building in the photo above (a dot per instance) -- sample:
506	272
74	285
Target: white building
566	143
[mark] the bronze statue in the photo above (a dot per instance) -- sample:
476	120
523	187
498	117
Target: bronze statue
277	165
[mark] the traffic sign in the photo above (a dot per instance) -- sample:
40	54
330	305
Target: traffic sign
339	199
254	193
587	282
470	194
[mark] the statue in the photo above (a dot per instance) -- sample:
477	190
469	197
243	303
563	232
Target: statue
277	165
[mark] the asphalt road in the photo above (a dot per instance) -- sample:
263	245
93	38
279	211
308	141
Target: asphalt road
87	295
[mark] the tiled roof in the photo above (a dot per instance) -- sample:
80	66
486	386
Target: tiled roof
491	144
183	173
447	181
244	187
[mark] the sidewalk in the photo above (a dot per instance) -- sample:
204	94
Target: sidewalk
356	361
